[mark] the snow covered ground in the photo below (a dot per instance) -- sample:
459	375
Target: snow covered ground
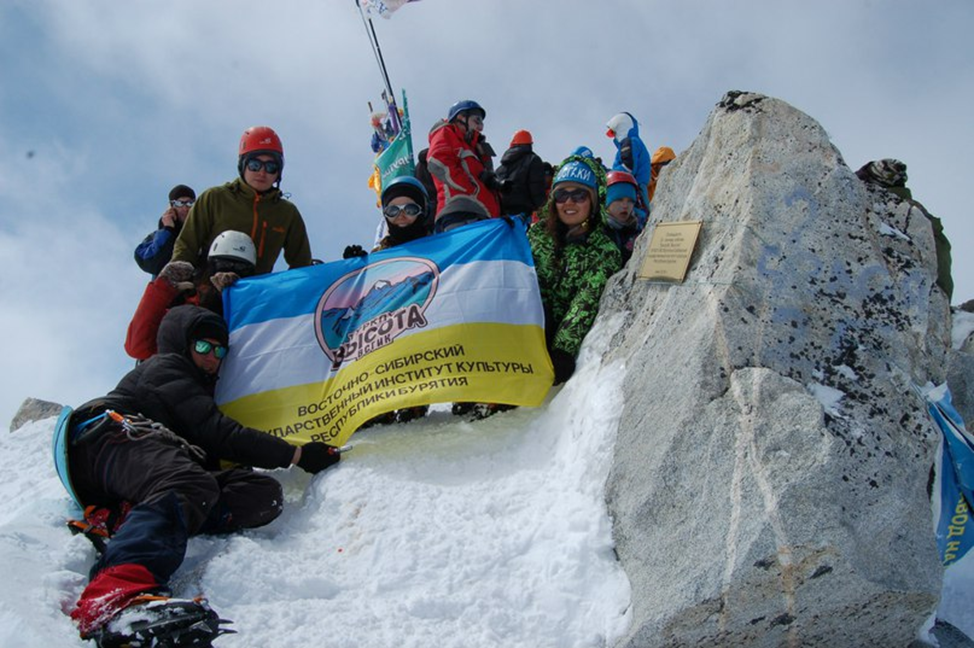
439	533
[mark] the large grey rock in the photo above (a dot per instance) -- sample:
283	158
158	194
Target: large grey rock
34	409
769	486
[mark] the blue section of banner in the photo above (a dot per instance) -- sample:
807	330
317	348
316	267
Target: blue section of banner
955	537
296	291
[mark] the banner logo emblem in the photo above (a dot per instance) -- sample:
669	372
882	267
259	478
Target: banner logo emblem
370	307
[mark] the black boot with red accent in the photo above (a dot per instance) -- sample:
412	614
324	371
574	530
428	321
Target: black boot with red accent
162	622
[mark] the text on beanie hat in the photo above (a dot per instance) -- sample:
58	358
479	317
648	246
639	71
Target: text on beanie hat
578	172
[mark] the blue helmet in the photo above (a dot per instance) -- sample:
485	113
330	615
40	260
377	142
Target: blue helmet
407	186
467	105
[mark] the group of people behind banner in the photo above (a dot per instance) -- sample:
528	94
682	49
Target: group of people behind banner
145	460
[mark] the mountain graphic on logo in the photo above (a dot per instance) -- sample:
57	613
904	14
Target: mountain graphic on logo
384	296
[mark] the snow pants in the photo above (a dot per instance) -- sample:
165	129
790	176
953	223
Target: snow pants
172	498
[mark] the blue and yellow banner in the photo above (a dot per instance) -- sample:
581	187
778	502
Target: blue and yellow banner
316	352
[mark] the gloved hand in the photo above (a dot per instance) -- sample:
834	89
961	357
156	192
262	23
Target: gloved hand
564	365
490	180
353	251
316	456
179	274
221	280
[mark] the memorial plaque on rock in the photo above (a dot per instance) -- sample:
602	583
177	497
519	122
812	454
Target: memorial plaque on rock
669	251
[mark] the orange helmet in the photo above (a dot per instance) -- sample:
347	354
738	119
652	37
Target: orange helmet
521	137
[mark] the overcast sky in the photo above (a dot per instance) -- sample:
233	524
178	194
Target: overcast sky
104	106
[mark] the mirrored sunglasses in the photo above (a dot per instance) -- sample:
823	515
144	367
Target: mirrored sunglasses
203	347
181	203
411	210
255	165
575	195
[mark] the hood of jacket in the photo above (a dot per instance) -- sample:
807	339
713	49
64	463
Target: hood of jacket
515	153
633	130
178	326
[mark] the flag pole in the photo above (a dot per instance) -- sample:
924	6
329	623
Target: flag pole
377	51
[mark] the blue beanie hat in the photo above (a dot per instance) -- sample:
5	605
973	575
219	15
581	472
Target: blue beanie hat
620	190
577	172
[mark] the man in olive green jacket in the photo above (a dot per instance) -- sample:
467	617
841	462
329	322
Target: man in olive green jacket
252	204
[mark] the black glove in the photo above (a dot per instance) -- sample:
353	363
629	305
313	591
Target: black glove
316	456
489	178
353	251
564	365
625	153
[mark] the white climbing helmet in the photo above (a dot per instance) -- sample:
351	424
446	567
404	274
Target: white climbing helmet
233	245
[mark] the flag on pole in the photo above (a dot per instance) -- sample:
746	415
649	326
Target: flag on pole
384	8
397	158
316	352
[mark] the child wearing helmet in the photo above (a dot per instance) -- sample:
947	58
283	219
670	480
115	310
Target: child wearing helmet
252	204
632	156
232	255
621	223
459	159
573	257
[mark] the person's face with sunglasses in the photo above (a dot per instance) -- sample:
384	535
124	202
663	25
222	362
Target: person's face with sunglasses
261	172
402	211
207	354
573	203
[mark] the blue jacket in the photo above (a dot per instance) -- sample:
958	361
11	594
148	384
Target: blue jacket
155	250
630	147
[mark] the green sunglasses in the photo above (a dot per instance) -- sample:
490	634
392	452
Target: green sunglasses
203	347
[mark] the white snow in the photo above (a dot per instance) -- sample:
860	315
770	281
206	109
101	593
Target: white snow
438	533
962	325
888	230
829	397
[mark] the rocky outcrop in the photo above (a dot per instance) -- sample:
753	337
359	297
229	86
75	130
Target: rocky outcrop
769	486
34	409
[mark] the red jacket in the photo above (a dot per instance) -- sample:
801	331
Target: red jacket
456	168
158	298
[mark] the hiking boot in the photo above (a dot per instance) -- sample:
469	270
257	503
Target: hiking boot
411	413
162	622
480	411
462	409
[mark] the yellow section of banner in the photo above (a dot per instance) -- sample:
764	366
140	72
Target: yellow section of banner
486	363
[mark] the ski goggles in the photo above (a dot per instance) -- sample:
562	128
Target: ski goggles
203	347
237	266
270	166
181	203
412	210
575	195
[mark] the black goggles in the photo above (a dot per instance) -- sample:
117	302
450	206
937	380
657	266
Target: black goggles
237	266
